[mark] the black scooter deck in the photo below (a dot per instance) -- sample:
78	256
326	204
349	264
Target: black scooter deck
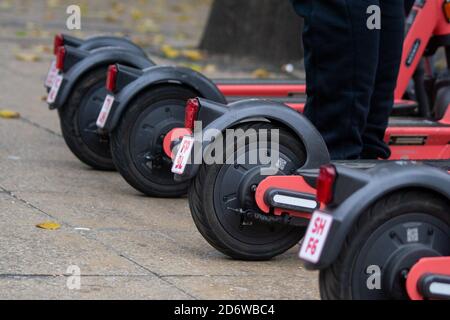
369	164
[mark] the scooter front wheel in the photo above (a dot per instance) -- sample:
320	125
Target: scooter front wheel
137	142
392	236
217	204
78	121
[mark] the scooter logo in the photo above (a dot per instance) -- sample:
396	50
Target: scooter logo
73	22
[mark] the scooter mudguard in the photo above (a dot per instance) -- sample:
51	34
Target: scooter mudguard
381	181
102	57
258	110
108	41
157	76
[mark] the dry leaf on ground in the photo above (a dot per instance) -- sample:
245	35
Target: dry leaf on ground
49	225
9	114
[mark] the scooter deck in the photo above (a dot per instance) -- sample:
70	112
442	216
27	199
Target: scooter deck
369	164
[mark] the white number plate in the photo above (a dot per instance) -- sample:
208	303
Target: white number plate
52	73
316	236
55	89
183	154
104	113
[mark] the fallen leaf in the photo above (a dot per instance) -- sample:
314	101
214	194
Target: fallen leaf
21	34
261	73
147	25
53	3
8	114
27	57
49	225
193	55
118	8
170	52
193	66
112	17
210	68
43	49
136	14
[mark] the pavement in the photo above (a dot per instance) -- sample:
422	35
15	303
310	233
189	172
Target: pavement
126	246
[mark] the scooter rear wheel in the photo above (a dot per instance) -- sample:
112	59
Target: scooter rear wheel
78	121
214	202
137	142
393	235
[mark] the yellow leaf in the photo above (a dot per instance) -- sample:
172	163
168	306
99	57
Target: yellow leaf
136	14
42	49
170	52
27	57
147	25
194	55
49	225
158	39
210	68
193	66
111	17
8	114
53	3
118	8
261	73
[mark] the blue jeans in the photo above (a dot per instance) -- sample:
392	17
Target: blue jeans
351	72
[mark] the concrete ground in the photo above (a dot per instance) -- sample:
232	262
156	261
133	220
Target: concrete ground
126	246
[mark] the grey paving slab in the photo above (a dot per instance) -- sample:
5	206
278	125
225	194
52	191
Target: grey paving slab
277	286
92	288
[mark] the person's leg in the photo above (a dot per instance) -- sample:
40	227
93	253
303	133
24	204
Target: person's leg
391	45
408	5
341	57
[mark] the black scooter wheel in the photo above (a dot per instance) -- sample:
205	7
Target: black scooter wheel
215	203
78	121
137	142
393	235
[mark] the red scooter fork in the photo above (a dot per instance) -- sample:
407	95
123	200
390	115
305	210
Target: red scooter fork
172	136
429	279
291	195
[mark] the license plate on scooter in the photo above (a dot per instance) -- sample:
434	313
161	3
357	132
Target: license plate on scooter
183	154
104	113
316	237
52	73
55	89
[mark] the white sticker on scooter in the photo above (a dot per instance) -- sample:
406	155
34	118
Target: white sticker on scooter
55	89
183	154
104	113
316	236
52	73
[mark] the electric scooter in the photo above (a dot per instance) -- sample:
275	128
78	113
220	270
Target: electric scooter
75	83
248	215
383	233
